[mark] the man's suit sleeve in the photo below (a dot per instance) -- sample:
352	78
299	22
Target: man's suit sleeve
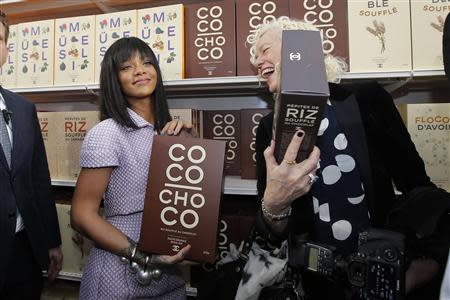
42	187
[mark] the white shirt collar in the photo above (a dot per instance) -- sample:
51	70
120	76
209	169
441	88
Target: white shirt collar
2	102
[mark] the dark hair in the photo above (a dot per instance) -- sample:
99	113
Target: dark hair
4	21
113	103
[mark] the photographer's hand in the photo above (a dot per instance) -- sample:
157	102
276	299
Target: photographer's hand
419	272
287	181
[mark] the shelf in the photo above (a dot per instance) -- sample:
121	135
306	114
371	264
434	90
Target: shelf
250	82
233	185
203	83
70	276
428	73
67	275
190	291
58	182
219	86
240	85
377	75
392	75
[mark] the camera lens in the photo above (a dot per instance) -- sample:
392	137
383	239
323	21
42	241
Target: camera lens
390	254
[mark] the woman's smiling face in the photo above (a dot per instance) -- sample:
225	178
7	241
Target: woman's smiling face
138	78
268	58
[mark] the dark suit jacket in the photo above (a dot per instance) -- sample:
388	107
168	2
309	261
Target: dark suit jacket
26	186
382	148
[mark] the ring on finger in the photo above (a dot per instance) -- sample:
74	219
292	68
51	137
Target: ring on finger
312	178
290	162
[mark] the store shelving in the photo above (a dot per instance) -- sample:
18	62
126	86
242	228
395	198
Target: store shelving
377	75
190	83
233	185
234	82
428	73
190	291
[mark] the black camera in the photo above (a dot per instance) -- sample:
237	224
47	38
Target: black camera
375	271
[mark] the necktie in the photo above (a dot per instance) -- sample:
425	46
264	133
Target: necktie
4	140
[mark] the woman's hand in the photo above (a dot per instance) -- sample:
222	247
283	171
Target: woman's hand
170	259
419	272
56	258
174	127
289	180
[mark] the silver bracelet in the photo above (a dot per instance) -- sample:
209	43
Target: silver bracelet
140	264
272	216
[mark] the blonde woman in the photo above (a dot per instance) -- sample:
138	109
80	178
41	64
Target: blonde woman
345	186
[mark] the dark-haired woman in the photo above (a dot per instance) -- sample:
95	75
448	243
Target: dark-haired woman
114	159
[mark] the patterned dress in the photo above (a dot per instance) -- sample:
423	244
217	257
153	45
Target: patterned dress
128	151
340	207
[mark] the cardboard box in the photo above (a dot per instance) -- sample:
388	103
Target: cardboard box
109	28
63	134
249	124
71	130
427	26
74	246
429	127
35	54
162	28
47	121
210	38
379	36
330	17
183	195
225	125
232	229
75	50
249	14
190	115
8	72
304	91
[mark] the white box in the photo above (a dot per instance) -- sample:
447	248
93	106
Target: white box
74	50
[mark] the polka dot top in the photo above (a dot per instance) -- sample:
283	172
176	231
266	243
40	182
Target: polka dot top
340	209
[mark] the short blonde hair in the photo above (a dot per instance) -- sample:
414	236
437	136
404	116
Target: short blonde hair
334	66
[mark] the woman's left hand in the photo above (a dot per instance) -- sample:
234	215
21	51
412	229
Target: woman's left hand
174	127
170	259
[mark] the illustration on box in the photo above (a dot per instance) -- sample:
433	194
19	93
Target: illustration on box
74	51
36	48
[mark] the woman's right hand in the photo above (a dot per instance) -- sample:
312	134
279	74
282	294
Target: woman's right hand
288	181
